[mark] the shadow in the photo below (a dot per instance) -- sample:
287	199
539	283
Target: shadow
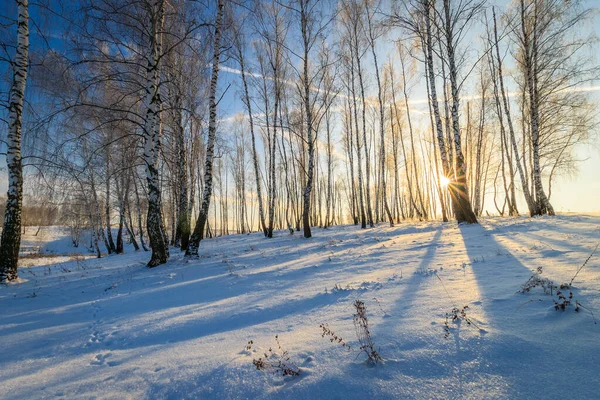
170	330
498	264
412	286
513	345
569	244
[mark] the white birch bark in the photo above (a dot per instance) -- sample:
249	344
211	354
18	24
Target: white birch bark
381	115
543	205
309	120
151	134
10	241
463	210
197	236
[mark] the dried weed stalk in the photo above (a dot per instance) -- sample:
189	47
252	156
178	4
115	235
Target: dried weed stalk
277	362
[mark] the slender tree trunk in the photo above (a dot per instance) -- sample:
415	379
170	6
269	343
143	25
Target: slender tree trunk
363	217
10	241
192	250
109	237
530	56
97	212
350	148
433	139
428	49
123	195
421	209
478	163
93	233
522	173
139	211
364	131
328	202
381	122
309	121
182	235
119	248
248	104
399	212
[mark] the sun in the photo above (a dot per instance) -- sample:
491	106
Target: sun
444	181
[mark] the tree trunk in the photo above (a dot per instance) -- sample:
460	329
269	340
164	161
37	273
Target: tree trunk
10	241
363	217
192	250
309	123
111	242
151	133
248	104
182	235
364	132
463	210
381	122
543	205
139	211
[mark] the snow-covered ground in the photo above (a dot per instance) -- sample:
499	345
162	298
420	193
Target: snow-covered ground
112	328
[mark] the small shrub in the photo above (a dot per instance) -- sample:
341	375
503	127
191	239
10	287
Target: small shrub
277	362
536	280
562	296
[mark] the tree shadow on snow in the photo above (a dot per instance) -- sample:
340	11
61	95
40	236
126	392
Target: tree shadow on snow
512	350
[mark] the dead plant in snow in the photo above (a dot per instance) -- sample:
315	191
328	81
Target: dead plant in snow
562	296
456	315
277	362
333	337
363	334
536	280
361	326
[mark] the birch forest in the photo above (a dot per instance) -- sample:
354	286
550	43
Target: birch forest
160	123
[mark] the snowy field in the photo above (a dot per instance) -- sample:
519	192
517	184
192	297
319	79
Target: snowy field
111	328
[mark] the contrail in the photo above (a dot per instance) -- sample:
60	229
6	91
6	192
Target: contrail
370	101
411	103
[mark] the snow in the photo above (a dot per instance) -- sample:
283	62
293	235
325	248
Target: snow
80	327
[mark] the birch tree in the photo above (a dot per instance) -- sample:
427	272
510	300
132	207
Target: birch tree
198	234
550	57
456	16
240	53
372	34
151	135
10	241
313	21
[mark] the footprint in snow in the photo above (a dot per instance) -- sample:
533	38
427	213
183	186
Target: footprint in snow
96	338
100	359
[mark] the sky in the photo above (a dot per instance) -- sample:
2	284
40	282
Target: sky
576	193
579	192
